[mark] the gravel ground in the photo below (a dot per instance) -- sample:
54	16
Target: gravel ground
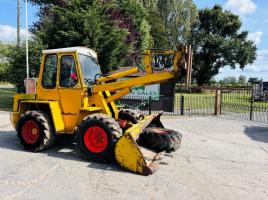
220	158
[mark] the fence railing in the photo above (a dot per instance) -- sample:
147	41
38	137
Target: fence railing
181	104
241	104
233	102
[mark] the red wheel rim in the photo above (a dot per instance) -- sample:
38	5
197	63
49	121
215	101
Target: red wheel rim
30	132
95	139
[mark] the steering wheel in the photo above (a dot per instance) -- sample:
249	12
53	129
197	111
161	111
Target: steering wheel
97	76
89	81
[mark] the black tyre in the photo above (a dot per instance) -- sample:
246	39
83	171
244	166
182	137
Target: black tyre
130	115
35	131
97	135
160	139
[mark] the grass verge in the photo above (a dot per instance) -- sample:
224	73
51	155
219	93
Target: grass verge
6	98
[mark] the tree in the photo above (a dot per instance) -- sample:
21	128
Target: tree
178	16
5	51
213	81
170	21
17	62
116	29
242	80
230	80
218	42
158	30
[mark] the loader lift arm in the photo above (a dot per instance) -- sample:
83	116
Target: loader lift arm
123	87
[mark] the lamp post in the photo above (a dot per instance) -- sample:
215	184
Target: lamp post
30	83
18	23
26	35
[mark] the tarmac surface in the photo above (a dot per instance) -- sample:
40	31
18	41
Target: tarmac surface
220	158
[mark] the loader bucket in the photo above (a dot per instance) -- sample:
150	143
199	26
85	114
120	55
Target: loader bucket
133	157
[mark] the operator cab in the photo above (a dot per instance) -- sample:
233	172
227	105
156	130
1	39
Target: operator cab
69	71
90	68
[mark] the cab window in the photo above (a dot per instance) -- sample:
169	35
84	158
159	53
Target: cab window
50	72
68	73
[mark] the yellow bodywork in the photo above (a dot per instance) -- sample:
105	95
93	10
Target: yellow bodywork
67	107
23	101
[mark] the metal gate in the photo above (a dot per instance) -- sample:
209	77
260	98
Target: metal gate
240	103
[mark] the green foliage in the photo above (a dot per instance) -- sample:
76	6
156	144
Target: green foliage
5	50
233	81
17	62
228	81
170	21
116	29
6	99
242	80
120	29
158	30
178	17
218	42
213	81
50	2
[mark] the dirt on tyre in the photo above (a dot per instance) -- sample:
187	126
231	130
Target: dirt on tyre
160	139
97	135
35	131
130	115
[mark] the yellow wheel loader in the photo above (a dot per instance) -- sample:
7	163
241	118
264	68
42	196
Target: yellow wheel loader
72	96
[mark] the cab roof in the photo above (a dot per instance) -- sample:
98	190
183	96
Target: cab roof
81	50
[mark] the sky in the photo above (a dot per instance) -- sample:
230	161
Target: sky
253	14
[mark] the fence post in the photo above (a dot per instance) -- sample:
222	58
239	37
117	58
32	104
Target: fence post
251	105
182	105
217	101
220	102
149	104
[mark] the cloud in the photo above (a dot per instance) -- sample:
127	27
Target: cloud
261	64
255	37
263	55
9	33
258	69
241	7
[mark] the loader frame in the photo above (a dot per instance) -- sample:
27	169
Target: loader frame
96	98
67	109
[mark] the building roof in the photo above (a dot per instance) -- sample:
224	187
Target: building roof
81	50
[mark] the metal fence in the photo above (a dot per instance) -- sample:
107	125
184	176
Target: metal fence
181	104
234	102
198	104
240	103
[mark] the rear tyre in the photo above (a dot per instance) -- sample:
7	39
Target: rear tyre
97	135
35	131
160	139
130	115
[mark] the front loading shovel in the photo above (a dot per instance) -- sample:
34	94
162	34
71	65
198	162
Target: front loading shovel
133	157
